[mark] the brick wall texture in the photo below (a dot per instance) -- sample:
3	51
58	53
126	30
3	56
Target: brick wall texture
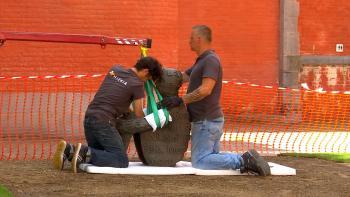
245	34
322	25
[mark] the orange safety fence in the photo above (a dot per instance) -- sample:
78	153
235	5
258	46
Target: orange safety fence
37	111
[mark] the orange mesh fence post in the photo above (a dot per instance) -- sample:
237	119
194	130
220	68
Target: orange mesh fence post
56	109
265	111
233	97
72	100
310	116
259	103
14	132
48	122
40	128
238	110
275	111
32	135
228	99
294	120
252	101
256	129
24	137
80	128
64	106
9	137
222	99
288	112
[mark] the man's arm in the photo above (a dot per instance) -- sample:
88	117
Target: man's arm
138	106
198	94
201	92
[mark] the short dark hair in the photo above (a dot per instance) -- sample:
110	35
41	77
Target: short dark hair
203	31
152	64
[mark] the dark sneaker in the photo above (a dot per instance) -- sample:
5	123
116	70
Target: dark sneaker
79	156
253	162
61	154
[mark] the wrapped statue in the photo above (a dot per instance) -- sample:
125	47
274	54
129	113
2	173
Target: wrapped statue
167	145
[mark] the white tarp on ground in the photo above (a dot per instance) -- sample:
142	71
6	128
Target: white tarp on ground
182	167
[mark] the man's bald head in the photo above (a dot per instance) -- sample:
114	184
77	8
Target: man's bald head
203	31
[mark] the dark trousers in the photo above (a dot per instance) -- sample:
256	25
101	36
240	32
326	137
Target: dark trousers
105	143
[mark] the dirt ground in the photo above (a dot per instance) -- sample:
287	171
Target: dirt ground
314	177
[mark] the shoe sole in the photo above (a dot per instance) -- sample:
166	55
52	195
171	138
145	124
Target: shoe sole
58	156
263	166
75	158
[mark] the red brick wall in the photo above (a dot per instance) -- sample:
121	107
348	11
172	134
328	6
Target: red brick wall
323	24
132	18
245	35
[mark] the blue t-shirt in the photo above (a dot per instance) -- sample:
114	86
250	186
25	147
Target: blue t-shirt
207	65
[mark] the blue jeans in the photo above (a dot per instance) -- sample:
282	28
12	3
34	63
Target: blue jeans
105	144
205	150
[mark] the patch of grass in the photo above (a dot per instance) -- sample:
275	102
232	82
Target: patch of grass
5	192
337	157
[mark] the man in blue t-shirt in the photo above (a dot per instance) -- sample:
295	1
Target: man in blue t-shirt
118	90
206	116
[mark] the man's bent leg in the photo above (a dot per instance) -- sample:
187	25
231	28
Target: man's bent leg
105	145
206	146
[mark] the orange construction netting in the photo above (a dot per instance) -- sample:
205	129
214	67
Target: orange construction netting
35	112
